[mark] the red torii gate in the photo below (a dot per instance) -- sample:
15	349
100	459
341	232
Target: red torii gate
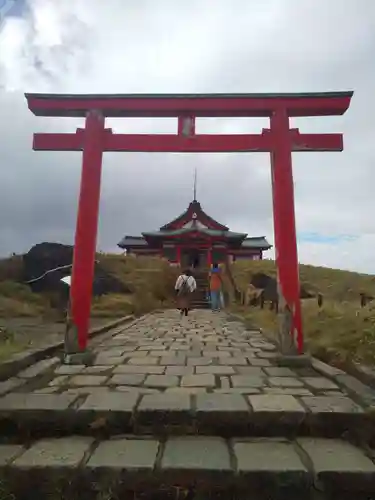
279	140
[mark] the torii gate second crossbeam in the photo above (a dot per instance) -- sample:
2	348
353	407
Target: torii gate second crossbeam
279	140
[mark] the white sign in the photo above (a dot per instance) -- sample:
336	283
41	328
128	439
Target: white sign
67	280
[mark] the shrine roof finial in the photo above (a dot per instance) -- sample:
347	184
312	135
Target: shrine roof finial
195	185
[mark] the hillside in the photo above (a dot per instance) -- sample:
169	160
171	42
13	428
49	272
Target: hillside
340	331
149	281
334	284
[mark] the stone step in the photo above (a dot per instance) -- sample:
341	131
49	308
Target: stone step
182	410
83	468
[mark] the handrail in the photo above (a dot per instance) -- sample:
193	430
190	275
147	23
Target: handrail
228	272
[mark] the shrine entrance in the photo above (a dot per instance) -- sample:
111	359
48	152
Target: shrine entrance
279	140
193	258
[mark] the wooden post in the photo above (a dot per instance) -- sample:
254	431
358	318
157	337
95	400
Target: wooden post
320	299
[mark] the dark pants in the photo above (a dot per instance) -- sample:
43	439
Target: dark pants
184	311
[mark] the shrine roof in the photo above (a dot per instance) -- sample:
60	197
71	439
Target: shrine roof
117	105
187	230
256	242
132	241
193	208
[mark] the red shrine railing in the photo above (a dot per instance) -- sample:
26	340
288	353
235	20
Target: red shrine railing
279	140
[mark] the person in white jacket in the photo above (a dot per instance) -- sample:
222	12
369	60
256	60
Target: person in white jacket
185	286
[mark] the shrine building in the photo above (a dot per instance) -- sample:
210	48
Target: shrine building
194	239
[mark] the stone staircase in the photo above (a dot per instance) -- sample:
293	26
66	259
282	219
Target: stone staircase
192	411
200	296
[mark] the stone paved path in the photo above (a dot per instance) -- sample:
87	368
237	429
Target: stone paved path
194	401
205	353
187	372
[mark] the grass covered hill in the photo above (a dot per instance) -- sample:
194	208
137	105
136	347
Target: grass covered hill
340	331
150	282
334	284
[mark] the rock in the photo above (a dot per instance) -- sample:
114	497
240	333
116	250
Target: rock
46	263
267	283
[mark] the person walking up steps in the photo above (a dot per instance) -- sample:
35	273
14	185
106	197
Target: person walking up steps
216	285
185	286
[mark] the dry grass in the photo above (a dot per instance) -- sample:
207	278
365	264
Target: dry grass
151	281
11	269
17	300
340	331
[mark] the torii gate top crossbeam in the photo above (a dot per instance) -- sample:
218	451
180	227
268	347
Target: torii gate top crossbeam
170	105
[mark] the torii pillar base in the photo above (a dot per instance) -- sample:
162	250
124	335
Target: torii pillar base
73	355
294	360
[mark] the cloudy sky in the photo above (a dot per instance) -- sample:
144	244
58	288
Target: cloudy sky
175	46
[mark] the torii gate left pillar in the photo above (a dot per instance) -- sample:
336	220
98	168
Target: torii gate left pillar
280	141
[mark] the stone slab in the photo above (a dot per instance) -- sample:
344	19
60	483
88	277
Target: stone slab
39	368
340	465
196	454
179	370
147	370
233	361
215	370
62	452
273	466
33	401
10	384
292	391
173	360
168	408
259	362
320	383
129	454
279	371
202	380
222	413
331	404
69	369
161	381
285	382
200	361
247	381
324	369
8	452
147	361
91	380
357	389
276	403
126	379
276	414
110	402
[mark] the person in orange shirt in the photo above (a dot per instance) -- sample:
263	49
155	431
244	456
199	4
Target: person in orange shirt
216	286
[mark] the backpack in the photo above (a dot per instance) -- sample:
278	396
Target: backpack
184	288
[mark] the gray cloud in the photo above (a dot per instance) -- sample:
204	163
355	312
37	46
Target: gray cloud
166	46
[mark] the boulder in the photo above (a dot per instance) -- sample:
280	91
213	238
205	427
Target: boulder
46	263
269	285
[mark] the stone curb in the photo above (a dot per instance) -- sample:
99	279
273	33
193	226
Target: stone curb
360	392
364	373
24	359
81	468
